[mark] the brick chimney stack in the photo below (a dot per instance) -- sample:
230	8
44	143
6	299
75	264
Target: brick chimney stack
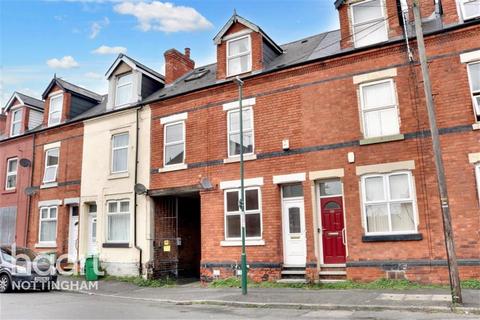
177	64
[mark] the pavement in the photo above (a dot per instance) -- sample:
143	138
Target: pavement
420	300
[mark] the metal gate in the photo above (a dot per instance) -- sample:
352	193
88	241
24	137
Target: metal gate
166	237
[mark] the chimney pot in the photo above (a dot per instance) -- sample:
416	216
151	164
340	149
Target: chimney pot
187	53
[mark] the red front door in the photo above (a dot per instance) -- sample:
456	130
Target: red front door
332	230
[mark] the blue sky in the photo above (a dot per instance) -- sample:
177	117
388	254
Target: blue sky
79	39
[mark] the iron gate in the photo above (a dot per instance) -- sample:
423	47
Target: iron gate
166	237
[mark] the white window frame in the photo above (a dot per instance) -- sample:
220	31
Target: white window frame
117	79
362	105
18	122
113	149
49	218
239	212
476	105
462	9
234	132
352	6
52	166
249	52
118	212
52	98
165	144
9	174
388	201
477	173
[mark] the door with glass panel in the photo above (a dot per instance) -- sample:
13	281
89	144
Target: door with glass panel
293	220
332	222
92	229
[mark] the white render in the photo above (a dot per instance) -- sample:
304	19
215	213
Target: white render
99	186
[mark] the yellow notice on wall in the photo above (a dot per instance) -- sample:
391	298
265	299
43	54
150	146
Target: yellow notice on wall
166	246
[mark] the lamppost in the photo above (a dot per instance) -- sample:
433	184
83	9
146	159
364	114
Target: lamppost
241	202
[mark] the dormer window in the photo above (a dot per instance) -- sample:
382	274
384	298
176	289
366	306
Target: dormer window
55	110
16	122
470	9
124	89
368	23
239	56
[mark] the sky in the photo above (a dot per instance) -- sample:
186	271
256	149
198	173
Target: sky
78	40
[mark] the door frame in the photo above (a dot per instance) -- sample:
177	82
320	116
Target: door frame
318	210
302	220
90	217
70	228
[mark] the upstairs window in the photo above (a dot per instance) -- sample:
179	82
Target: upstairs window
474	78
124	90
388	203
379	109
120	152
470	9
239	56
174	152
55	110
368	23
11	178
16	122
51	165
233	214
234	132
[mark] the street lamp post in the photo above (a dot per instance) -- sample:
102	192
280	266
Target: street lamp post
241	202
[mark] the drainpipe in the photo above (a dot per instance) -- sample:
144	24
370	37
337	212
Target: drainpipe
29	201
135	198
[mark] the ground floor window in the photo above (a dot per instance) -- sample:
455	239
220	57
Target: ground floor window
388	203
477	171
118	221
48	224
233	215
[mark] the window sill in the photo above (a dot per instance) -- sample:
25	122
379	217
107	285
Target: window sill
476	126
174	167
47	185
119	175
247	157
238	243
115	245
393	237
395	137
45	245
8	191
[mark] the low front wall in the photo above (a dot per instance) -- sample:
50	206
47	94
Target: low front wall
432	272
257	272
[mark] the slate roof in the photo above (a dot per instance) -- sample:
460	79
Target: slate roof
31	101
72	88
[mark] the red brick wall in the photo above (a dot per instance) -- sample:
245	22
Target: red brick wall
176	65
67	97
68	178
20	147
257	51
3	123
317	105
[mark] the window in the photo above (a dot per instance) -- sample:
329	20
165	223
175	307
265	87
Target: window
124	89
474	77
16	122
51	165
233	216
292	190
174	143
470	9
379	109
48	224
477	171
11	178
239	56
388	203
234	132
55	110
120	152
369	23
118	221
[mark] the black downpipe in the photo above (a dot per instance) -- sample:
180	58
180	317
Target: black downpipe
135	198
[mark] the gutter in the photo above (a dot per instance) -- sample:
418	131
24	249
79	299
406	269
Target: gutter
135	196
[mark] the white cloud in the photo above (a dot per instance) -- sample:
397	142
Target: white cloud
164	16
109	50
93	75
66	62
97	26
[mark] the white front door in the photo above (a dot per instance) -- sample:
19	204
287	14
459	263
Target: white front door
294	241
73	234
92	230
